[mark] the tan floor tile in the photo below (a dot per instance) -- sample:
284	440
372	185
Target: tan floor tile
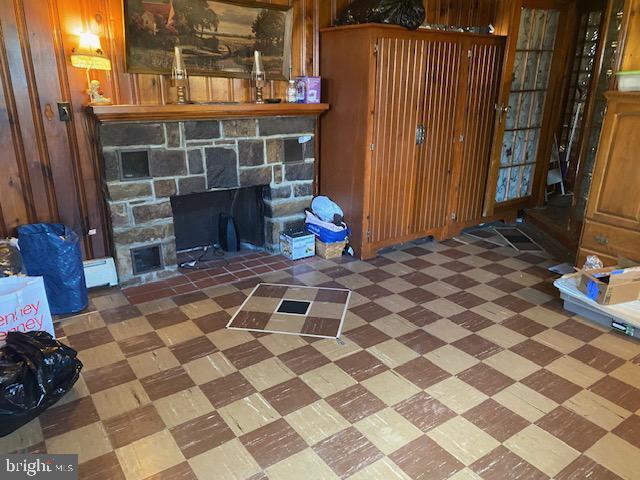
392	353
394	325
116	299
285	323
123	398
229	461
544	316
87	442
183	406
542	450
279	344
395	303
522	278
179	333
205	369
383	469
596	409
446	330
247	414
535	297
26	436
575	371
442	289
352	321
492	311
512	364
390	387
465	474
225	339
388	430
149	456
524	401
463	440
200	309
628	373
101	356
262	304
485	291
444	307
130	328
156	306
397	285
503	336
79	390
82	323
617	455
267	373
327	310
303	465
335	351
558	341
451	359
148	363
617	345
328	379
456	394
316	422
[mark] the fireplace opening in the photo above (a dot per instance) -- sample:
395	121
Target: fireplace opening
146	259
196	217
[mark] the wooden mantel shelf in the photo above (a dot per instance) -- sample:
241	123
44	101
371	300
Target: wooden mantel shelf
136	113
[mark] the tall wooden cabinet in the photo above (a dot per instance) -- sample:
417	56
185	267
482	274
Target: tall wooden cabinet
406	146
612	225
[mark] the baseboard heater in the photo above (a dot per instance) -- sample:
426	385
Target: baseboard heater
100	272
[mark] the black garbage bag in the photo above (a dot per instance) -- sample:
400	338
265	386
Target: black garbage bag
52	251
35	372
406	13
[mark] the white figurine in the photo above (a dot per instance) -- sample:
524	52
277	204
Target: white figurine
95	95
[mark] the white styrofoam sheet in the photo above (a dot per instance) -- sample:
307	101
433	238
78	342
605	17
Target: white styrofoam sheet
628	312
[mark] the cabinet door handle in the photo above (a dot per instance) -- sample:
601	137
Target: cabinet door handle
420	134
601	239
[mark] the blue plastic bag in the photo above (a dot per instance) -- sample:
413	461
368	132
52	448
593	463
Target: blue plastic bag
52	251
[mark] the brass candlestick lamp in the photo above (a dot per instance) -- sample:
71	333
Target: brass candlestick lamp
258	75
179	77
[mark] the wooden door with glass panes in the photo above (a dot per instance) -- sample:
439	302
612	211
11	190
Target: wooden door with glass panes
523	139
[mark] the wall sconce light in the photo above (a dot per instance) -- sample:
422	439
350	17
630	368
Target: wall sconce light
89	55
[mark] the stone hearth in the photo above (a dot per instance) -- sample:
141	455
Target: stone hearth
197	156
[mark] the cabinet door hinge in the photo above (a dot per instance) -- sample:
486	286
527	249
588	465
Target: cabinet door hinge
372	146
368	235
469	53
454	216
376	48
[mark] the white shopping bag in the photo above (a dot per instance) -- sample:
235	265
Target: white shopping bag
23	306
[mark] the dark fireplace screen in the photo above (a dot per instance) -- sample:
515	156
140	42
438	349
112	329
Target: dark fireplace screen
196	216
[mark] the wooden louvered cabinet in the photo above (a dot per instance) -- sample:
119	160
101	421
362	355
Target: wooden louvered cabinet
611	228
405	149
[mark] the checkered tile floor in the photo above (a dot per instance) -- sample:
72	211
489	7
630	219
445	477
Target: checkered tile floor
459	363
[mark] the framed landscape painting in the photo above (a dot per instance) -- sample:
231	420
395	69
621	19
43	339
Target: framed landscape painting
218	37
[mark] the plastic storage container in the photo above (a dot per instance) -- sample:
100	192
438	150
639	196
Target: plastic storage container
629	81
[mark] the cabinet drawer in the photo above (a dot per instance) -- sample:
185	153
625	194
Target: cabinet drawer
612	241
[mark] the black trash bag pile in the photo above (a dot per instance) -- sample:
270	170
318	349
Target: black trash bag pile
52	251
406	13
35	372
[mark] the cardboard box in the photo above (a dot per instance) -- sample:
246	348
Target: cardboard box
612	285
330	250
308	89
297	244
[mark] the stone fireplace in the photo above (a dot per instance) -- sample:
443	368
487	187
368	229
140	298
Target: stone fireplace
148	163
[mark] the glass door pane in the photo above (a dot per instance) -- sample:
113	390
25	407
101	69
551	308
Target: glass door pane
531	73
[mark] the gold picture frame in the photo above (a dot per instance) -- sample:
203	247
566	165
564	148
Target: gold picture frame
218	37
